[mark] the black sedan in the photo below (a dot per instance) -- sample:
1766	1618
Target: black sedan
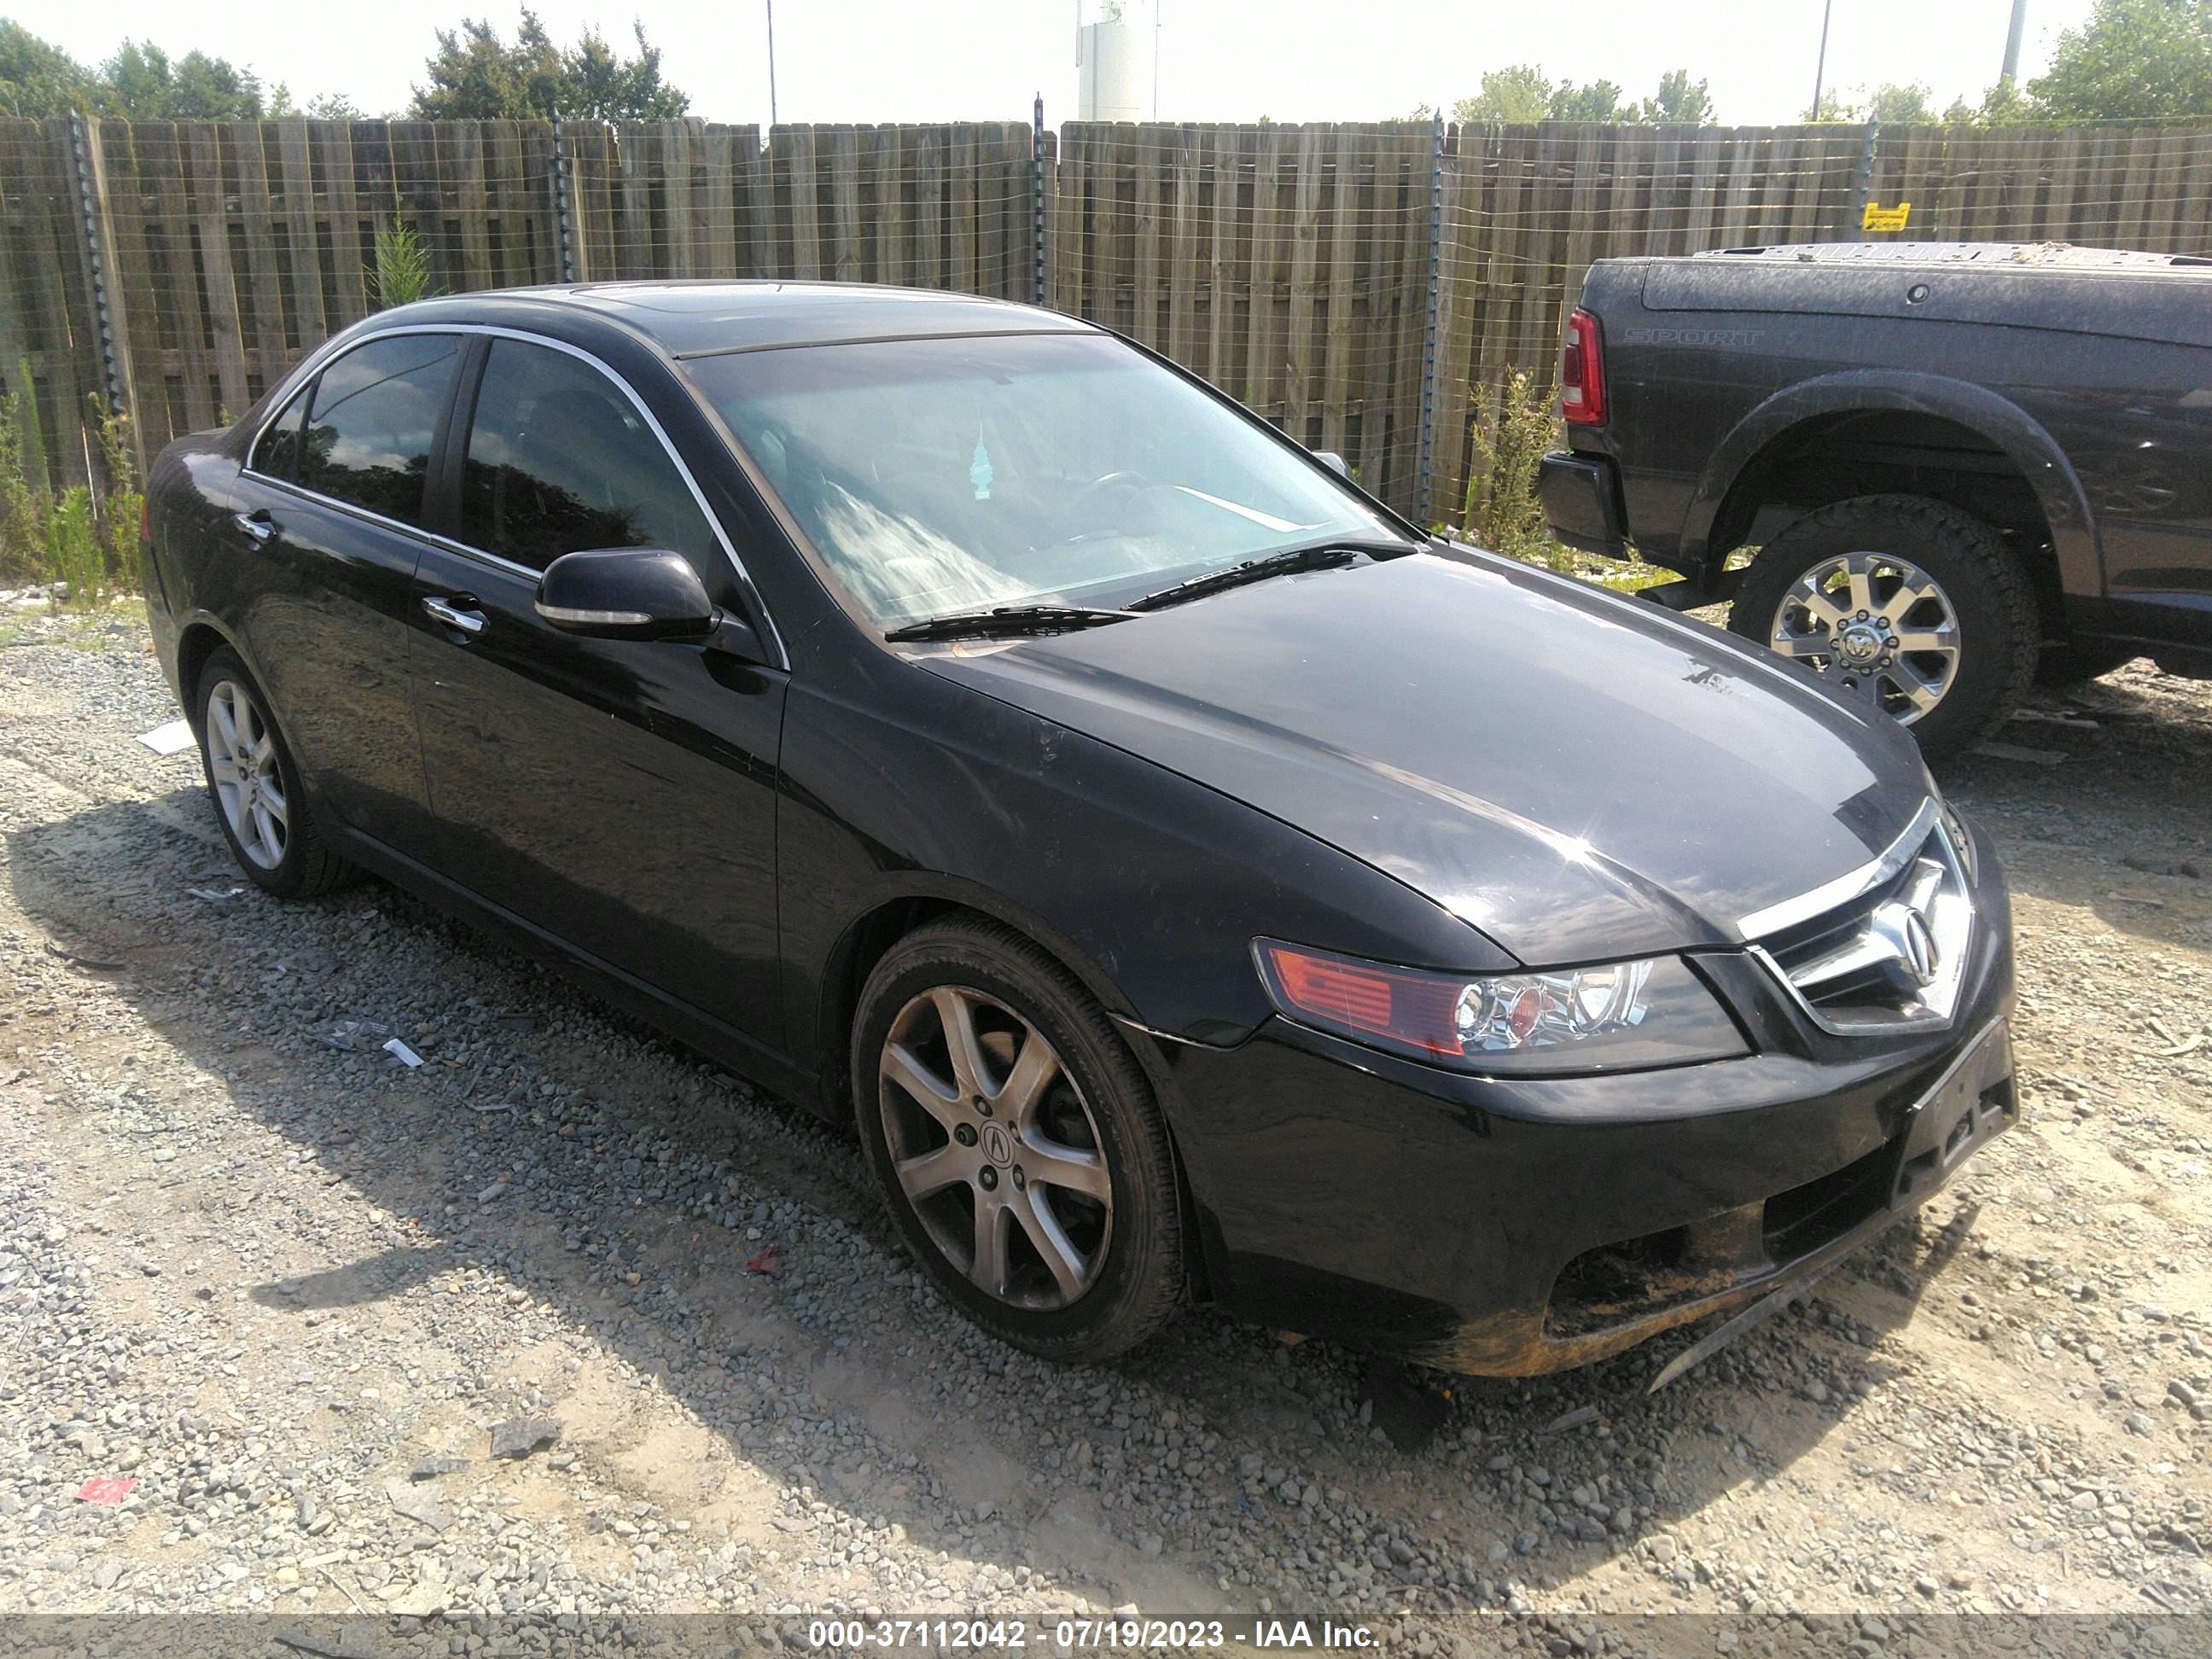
1199	884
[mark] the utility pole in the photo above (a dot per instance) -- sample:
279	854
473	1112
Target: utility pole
771	62
2011	43
1820	68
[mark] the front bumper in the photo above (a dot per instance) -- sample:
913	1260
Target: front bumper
1581	502
1509	1228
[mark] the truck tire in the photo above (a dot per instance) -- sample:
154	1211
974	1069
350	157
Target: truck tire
1904	605
2080	660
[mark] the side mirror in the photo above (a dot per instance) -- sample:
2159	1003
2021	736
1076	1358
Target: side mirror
1332	461
626	593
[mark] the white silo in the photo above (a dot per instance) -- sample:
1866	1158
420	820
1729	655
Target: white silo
1106	67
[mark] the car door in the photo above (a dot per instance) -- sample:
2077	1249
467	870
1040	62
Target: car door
618	795
328	530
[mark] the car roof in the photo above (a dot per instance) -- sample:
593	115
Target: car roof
703	317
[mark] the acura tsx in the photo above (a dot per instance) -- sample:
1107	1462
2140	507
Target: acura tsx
1195	882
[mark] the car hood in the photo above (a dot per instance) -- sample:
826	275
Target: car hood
1577	774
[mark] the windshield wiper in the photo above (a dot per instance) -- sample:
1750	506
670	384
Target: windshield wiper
1323	555
1007	620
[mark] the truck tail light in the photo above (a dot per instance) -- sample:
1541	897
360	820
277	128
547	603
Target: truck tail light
1581	373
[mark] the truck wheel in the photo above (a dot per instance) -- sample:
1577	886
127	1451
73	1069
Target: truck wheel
1911	608
2079	660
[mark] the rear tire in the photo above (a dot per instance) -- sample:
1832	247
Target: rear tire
1837	591
1016	1143
254	784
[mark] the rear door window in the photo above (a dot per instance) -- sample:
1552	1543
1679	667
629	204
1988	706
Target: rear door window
560	461
373	422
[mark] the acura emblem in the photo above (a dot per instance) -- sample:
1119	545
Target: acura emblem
1905	931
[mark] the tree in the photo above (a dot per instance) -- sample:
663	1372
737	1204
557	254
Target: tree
141	82
604	85
476	76
1681	98
1520	93
1895	104
1598	101
1891	104
2002	106
2135	60
334	106
38	78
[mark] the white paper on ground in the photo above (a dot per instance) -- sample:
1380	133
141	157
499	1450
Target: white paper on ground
171	740
405	1055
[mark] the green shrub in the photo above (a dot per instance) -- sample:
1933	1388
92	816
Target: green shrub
24	496
1503	512
401	274
22	523
119	508
74	554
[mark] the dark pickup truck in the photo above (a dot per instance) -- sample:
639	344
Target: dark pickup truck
1964	466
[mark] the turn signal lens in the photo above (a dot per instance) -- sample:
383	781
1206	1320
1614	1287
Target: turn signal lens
1611	1017
1413	1010
1962	843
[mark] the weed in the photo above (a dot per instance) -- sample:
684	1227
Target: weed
74	557
120	509
1503	512
402	271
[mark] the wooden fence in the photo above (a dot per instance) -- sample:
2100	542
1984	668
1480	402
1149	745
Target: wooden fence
1306	268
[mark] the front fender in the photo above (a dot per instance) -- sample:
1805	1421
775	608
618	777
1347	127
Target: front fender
2057	486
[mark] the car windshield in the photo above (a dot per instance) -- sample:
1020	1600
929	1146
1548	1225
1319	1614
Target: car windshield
941	475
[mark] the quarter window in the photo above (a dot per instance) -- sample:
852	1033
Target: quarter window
559	461
374	417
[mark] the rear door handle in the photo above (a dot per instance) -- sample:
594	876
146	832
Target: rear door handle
255	524
456	613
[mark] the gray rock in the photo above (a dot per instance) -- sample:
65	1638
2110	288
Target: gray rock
418	1505
519	1437
431	1465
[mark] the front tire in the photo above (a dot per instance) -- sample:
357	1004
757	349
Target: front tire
1016	1143
254	784
1911	608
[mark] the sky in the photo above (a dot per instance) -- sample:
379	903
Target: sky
923	60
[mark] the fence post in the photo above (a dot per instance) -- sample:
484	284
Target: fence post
98	248
1855	231
563	212
1429	325
1037	198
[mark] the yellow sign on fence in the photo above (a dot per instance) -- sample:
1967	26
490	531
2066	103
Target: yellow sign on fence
1882	218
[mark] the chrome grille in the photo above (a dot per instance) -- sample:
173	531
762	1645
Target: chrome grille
1891	955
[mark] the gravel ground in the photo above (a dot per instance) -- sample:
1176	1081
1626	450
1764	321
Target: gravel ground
289	1295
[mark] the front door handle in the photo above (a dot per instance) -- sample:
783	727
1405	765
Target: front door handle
455	612
255	524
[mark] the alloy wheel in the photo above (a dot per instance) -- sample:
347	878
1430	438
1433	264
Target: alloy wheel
1876	626
248	785
995	1148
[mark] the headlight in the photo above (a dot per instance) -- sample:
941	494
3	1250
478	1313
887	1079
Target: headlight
1618	1017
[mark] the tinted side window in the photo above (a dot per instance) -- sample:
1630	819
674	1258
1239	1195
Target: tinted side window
375	413
559	461
277	454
